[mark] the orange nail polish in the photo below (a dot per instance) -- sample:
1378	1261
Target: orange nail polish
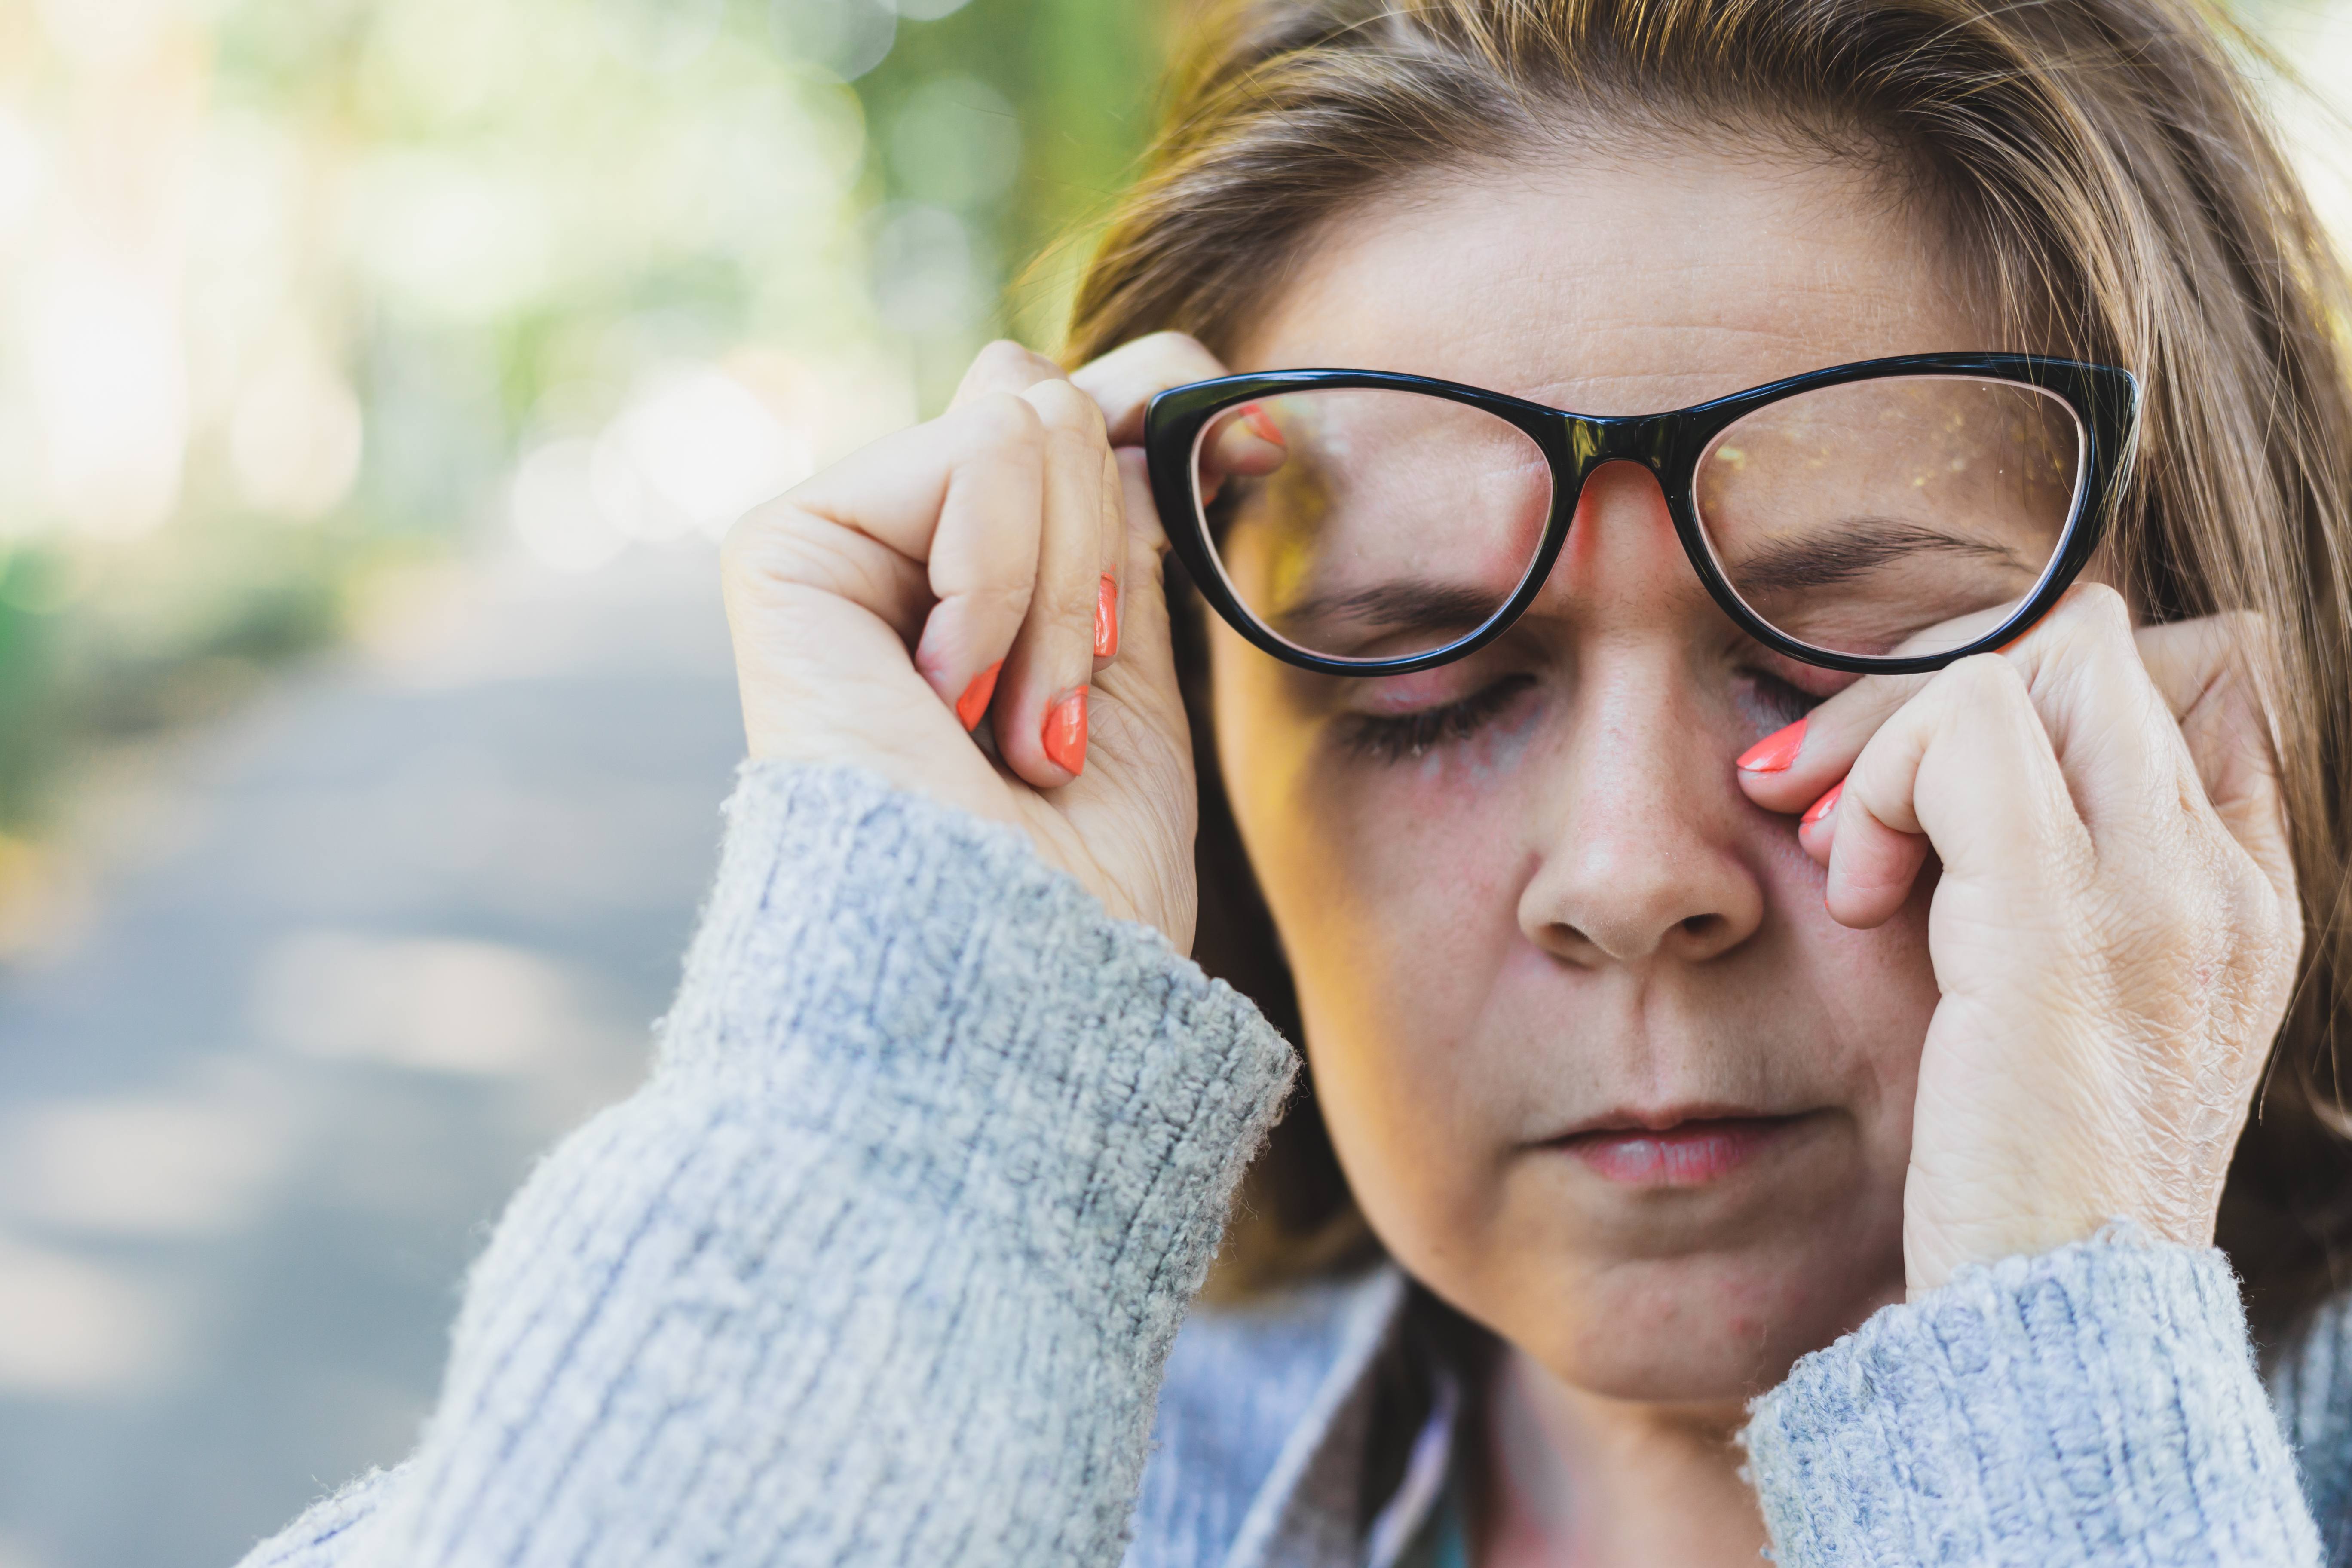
1775	752
1107	618
975	701
1824	806
1262	423
1066	732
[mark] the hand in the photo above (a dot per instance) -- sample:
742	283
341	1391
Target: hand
998	570
2115	932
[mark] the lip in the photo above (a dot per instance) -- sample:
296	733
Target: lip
1673	1148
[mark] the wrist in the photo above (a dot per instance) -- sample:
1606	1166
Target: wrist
1935	1250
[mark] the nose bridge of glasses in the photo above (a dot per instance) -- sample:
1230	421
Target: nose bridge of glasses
1592	440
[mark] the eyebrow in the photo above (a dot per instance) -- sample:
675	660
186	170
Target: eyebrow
1397	606
1852	549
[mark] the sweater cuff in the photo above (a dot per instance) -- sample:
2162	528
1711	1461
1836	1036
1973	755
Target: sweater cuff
984	1038
2094	1403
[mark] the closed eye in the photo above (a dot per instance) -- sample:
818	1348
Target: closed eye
1389	738
1855	547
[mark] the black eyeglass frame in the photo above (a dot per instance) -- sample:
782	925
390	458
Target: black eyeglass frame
2104	399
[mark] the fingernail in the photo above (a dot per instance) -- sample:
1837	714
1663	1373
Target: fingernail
975	701
1824	806
1775	752
1107	618
1066	732
1259	421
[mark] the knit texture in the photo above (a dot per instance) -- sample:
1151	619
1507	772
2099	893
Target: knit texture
2097	1403
881	1270
883	1264
2312	1390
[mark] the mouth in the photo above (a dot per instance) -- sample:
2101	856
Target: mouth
1675	1150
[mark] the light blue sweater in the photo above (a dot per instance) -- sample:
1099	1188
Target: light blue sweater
885	1263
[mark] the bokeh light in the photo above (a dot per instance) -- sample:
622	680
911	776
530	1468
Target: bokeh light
376	377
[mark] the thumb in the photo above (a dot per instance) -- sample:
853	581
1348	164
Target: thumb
1146	654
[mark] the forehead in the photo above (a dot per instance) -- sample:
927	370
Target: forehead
1626	284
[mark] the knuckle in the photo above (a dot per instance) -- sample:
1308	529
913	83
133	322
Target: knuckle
2097	625
754	542
1005	421
1006	355
782	565
1169	338
1984	679
1006	601
1067	411
2099	604
1069	597
1161	359
1180	347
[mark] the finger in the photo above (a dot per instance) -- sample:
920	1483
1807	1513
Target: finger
1791	768
1110	535
933	529
2217	675
1872	866
2115	761
1248	440
2104	715
1138	696
1124	382
1968	768
1145	643
1003	366
1040	713
2124	761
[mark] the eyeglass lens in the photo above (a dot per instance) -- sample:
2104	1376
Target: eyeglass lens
1904	516
1890	517
1364	522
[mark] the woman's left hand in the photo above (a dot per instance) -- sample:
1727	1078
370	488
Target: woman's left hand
2115	932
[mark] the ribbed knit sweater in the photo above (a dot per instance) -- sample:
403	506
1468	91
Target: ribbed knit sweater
885	1263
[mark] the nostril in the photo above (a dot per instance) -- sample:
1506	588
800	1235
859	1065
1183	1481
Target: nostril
1701	927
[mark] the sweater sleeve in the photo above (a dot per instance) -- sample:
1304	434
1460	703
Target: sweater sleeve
883	1264
2097	1403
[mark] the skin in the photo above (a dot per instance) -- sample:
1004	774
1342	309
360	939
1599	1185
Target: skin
1581	904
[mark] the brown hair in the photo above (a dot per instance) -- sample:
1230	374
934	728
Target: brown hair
2112	189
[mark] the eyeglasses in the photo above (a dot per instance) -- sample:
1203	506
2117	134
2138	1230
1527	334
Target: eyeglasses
1889	516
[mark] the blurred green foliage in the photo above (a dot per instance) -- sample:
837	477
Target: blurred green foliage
93	652
483	228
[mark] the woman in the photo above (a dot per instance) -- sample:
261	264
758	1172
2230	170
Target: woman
1692	1163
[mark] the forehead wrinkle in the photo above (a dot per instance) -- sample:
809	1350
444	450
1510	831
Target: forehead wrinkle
1482	282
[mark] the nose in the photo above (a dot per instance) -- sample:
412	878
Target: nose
1640	855
1634	873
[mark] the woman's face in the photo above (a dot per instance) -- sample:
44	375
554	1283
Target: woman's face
1523	892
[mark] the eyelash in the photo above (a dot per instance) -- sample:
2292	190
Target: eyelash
1408	735
1788	700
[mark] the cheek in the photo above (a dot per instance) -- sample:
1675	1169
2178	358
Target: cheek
1385	878
1867	997
1394	885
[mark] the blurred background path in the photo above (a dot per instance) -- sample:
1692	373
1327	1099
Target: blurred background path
374	378
362	951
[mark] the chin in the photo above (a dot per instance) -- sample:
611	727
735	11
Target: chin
1697	1328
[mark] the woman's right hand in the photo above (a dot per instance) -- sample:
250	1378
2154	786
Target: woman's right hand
989	583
